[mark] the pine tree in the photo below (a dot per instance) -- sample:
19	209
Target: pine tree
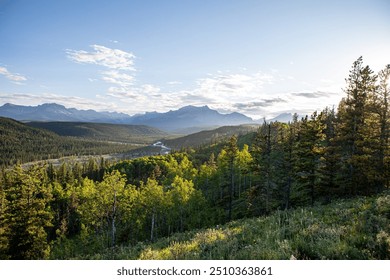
287	167
263	168
231	157
28	214
308	152
330	158
383	158
355	131
3	222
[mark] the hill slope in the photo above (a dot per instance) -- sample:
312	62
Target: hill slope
22	143
209	136
103	131
346	229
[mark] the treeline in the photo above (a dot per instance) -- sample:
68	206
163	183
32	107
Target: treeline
21	143
79	210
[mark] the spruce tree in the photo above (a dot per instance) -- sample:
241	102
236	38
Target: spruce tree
28	214
231	157
354	129
383	157
309	149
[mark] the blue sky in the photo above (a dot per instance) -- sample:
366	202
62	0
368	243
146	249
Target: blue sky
260	58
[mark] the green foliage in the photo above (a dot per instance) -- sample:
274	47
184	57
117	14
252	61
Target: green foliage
21	143
334	231
357	130
207	137
308	151
27	216
103	131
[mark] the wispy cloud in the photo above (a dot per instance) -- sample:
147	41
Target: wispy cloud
118	78
15	77
257	94
119	71
150	89
261	103
234	83
107	57
122	93
67	101
224	89
317	94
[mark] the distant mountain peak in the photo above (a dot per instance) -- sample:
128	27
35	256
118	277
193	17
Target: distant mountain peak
193	108
283	117
181	119
189	117
51	105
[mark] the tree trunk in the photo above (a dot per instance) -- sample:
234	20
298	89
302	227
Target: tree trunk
152	228
113	227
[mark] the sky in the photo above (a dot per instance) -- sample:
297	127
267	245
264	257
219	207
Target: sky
259	58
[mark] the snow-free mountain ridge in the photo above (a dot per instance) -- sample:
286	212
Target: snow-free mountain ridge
189	118
175	120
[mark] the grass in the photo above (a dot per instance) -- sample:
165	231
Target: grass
345	229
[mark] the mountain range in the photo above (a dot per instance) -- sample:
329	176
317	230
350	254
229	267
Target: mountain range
188	119
56	112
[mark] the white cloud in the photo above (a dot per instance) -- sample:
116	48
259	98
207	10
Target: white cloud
67	101
150	89
234	83
257	94
119	65
15	77
122	93
221	91
118	78
110	58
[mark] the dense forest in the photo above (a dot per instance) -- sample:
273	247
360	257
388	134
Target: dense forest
26	142
121	133
80	210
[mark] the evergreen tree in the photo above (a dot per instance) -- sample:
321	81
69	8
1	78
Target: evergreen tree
383	111
309	149
354	129
263	167
3	222
330	157
28	214
231	158
287	167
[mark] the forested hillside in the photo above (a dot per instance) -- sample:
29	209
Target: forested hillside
207	137
138	134
79	211
21	143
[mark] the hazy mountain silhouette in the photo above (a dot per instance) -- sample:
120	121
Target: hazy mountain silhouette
189	118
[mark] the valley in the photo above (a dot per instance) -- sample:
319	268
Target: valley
316	187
